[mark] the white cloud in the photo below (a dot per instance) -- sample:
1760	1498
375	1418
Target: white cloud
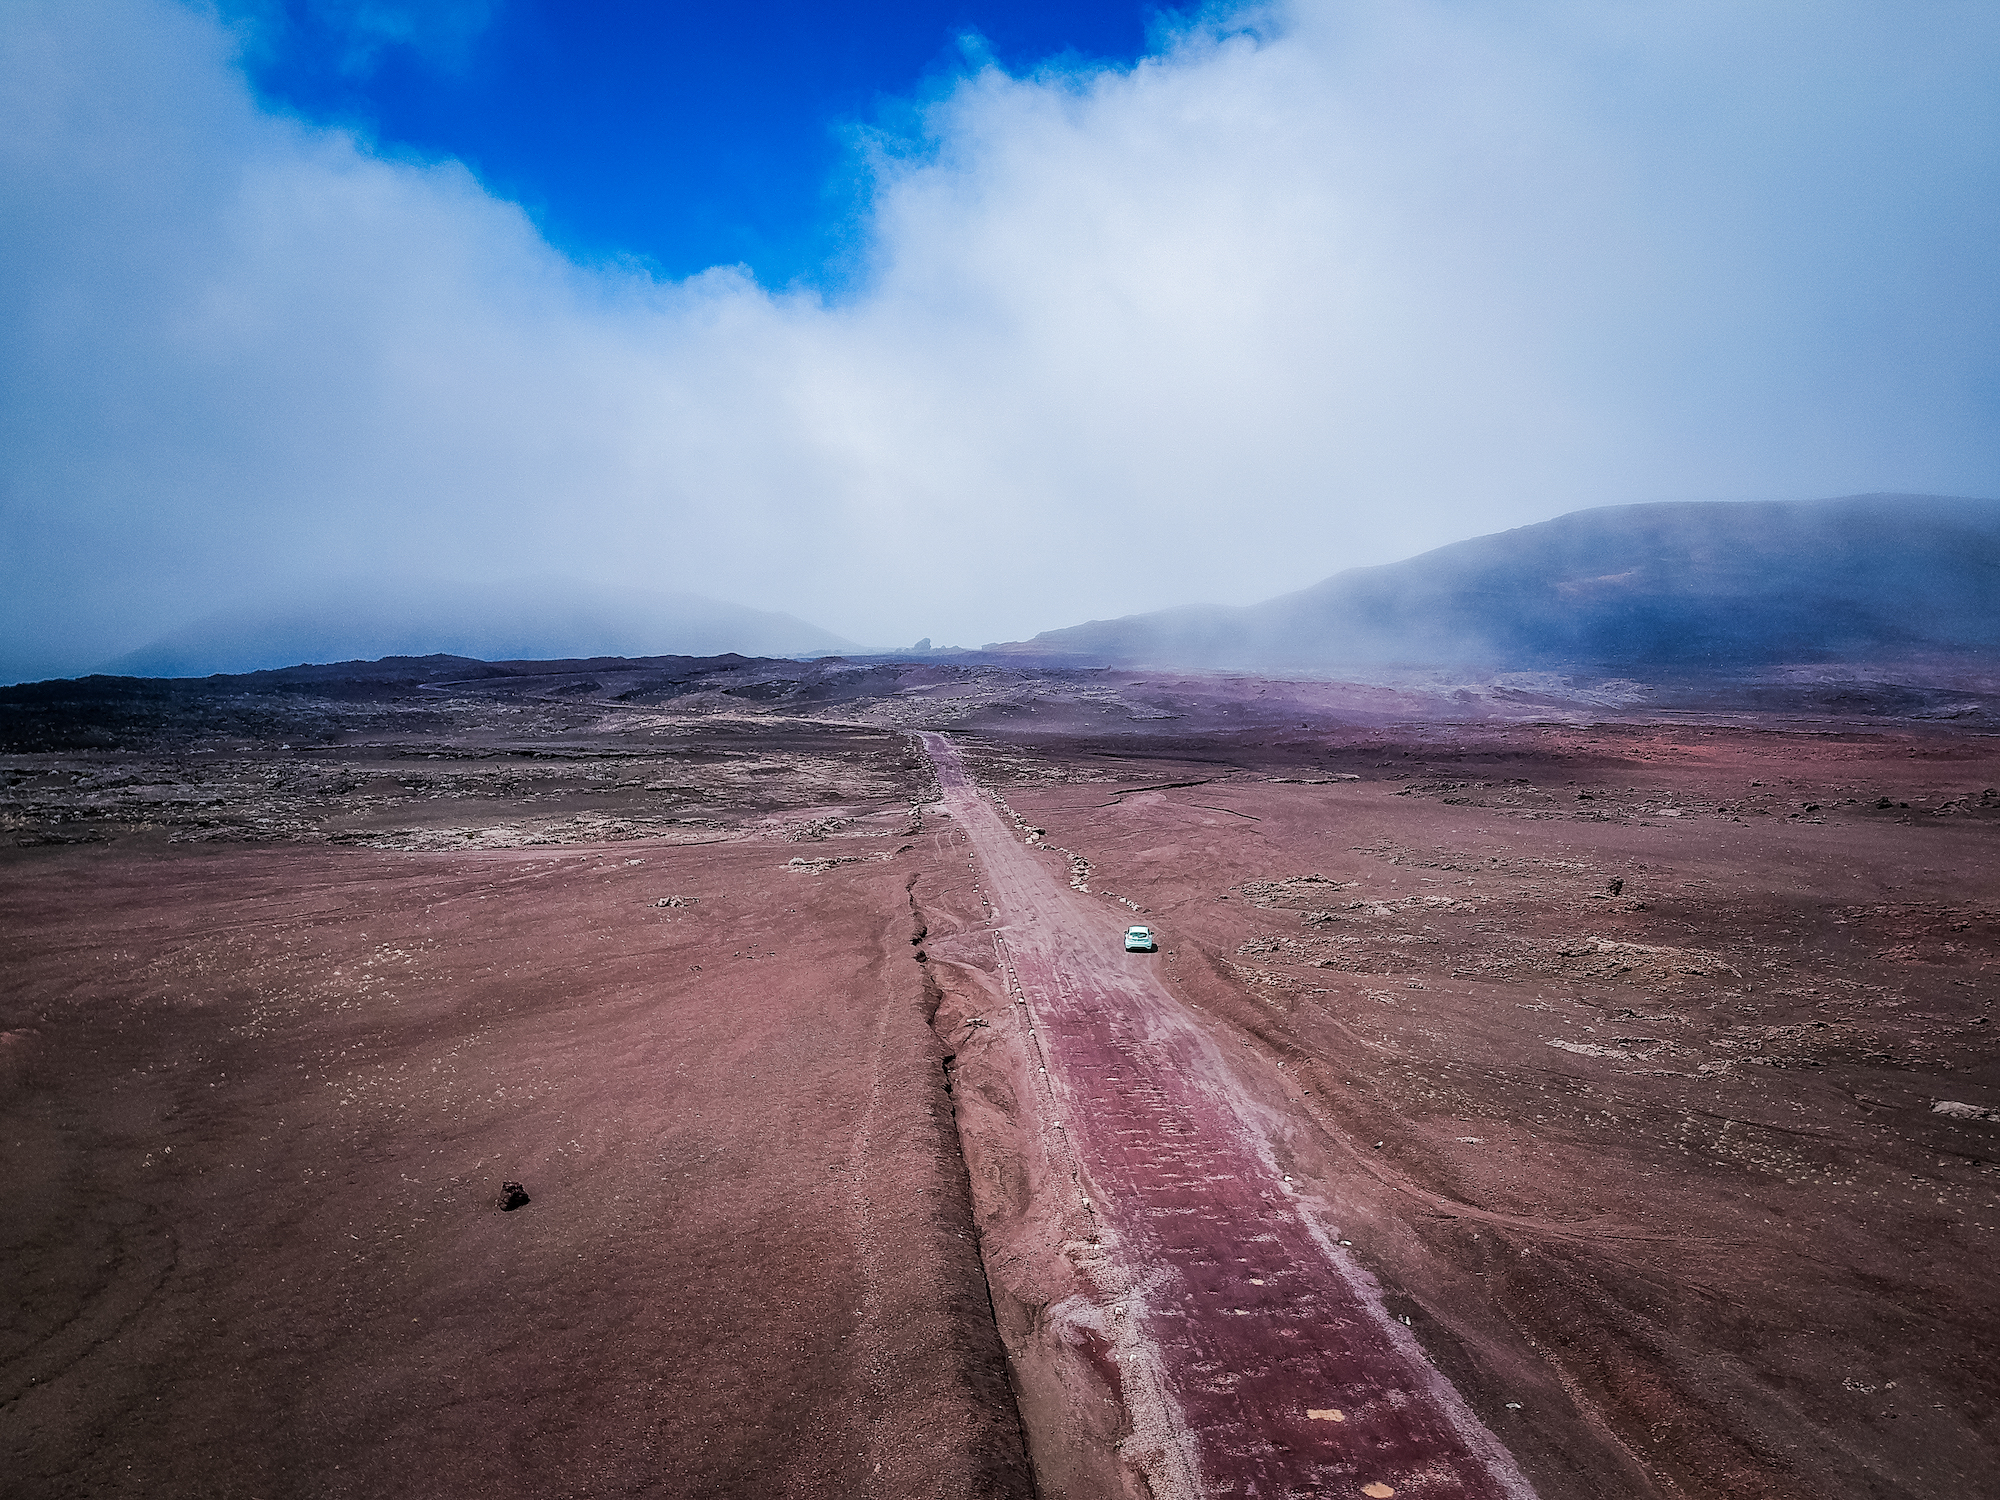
1212	327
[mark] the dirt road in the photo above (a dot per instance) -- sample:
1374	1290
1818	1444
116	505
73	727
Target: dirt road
1252	1353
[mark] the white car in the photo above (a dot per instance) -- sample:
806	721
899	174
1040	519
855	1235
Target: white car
1139	940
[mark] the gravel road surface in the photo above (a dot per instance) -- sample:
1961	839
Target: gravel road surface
1254	1357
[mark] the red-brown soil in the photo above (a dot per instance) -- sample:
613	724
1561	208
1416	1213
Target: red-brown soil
1613	1047
1616	1052
259	1107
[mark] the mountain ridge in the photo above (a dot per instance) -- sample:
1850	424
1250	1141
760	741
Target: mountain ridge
1678	583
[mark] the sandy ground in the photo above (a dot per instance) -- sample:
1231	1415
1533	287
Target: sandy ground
1639	1053
259	1107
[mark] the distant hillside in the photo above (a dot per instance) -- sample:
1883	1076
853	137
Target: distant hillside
1687	585
516	621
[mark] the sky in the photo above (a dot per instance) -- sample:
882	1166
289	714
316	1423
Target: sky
956	321
685	136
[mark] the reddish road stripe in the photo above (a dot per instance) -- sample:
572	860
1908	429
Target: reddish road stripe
1272	1351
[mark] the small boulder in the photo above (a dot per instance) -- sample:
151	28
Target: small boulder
512	1196
1958	1111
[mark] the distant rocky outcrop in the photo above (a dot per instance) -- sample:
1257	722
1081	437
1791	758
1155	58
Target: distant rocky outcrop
1692	585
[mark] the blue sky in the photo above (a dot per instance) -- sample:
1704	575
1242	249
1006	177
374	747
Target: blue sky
688	135
294	300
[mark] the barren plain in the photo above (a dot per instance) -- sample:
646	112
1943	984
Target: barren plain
1630	1045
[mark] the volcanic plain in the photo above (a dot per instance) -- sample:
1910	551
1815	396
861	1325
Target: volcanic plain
1626	1049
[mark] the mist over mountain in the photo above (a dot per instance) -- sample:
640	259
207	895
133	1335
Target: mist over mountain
522	619
1678	585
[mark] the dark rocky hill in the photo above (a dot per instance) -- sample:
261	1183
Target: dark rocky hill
520	619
